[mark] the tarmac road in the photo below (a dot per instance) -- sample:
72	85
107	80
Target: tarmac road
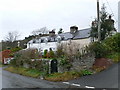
11	80
105	79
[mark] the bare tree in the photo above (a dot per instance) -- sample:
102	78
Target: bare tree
12	36
42	30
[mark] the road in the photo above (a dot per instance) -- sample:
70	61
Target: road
11	80
105	79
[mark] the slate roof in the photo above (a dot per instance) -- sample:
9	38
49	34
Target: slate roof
80	34
85	33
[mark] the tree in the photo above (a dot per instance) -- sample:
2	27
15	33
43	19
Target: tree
12	36
107	25
42	30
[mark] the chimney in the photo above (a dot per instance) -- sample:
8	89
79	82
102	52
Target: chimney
73	29
52	33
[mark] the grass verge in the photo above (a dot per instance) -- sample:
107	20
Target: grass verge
24	71
56	77
1	65
63	76
115	57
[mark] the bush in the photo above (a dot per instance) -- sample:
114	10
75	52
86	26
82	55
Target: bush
65	63
16	61
51	54
86	72
113	43
98	49
45	53
24	56
37	64
16	49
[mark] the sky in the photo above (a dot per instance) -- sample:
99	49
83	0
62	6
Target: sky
25	16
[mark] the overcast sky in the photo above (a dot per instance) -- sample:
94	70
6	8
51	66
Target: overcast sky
25	16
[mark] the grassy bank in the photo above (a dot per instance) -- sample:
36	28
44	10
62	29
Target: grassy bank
1	65
114	56
24	71
63	76
50	77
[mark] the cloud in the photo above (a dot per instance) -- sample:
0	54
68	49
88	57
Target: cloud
27	15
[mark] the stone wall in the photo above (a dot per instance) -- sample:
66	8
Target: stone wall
84	63
79	64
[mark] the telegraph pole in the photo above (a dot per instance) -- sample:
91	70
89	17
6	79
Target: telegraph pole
98	19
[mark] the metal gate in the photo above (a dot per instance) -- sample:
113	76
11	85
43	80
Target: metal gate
54	66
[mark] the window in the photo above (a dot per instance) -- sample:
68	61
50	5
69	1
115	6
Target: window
46	40
34	41
42	40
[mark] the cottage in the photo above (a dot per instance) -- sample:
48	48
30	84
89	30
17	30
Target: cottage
82	37
5	56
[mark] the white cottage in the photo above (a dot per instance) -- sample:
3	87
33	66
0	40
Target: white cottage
81	37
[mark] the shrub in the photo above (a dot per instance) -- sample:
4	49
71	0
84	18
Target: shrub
98	49
45	53
37	64
64	62
16	49
51	54
113	43
24	56
16	61
60	52
86	72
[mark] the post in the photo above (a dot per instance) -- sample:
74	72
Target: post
98	19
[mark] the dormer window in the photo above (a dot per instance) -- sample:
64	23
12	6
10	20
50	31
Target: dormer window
46	40
42	40
39	40
63	38
34	41
58	39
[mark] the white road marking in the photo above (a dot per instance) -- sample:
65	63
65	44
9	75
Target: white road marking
66	82
72	84
75	85
89	87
